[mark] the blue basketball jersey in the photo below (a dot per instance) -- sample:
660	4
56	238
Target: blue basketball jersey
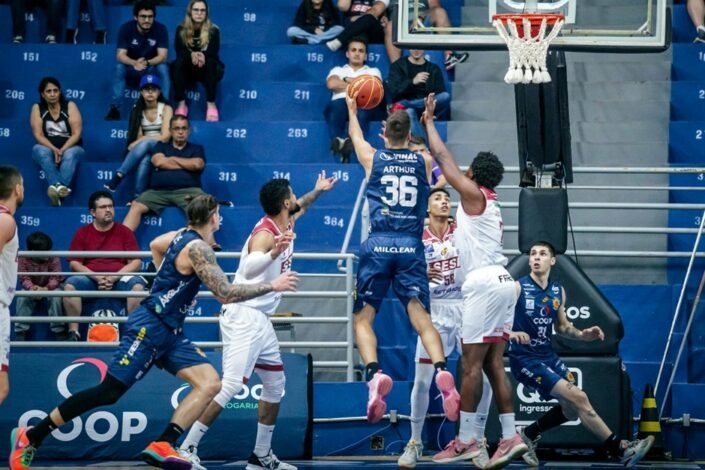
397	192
534	314
172	292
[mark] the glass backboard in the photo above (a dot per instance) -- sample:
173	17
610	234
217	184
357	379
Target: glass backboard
590	25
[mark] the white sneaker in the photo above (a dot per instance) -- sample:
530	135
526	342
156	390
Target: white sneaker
412	452
63	191
633	451
269	462
530	456
191	455
481	459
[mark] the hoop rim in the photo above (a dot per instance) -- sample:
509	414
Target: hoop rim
534	18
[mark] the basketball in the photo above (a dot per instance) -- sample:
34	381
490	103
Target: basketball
369	90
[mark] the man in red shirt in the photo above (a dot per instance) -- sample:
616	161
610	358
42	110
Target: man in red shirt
103	234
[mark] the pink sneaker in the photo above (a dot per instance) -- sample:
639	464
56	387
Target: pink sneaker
457	450
379	387
182	109
507	450
212	115
451	398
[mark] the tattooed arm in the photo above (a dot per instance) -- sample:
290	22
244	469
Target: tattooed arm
566	328
202	259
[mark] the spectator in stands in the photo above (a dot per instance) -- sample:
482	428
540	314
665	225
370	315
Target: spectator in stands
57	127
696	10
96	10
429	11
53	13
148	125
410	81
26	306
418	144
103	234
176	174
316	21
336	112
142	47
197	44
364	18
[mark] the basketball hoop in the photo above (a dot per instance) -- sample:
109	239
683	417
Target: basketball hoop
525	35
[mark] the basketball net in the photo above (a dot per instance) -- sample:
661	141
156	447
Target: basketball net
528	44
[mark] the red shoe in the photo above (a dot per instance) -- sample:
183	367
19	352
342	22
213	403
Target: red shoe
451	398
163	455
379	387
22	452
507	450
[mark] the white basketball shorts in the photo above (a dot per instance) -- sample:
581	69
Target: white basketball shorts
489	297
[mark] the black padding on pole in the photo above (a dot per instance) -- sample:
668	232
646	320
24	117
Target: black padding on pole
543	215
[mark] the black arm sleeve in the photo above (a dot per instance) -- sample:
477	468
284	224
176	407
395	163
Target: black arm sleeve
179	47
213	49
435	80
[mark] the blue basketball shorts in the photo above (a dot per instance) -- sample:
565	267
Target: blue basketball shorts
540	374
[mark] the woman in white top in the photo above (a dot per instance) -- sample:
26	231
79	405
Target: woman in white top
148	124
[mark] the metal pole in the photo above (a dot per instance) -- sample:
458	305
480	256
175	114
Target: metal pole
682	346
678	306
349	312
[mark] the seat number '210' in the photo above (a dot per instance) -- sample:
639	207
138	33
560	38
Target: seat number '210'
400	190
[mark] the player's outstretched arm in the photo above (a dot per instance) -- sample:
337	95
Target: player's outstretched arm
468	190
364	151
566	328
323	184
207	269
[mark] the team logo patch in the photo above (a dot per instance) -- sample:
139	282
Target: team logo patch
570	377
556	304
529	304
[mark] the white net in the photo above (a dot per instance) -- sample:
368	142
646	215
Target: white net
527	54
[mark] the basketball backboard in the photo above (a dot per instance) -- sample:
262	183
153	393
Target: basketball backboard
590	25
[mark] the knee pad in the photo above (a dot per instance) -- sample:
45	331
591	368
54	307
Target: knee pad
230	386
272	385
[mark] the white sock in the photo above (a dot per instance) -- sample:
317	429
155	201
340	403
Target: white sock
420	398
334	45
264	439
483	408
467	422
700	28
195	434
508	429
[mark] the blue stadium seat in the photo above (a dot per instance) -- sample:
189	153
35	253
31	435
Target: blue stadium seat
683	29
687	100
688	62
686	141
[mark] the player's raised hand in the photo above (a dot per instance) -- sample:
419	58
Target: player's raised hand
430	102
351	101
323	183
282	242
519	337
592	334
383	135
286	282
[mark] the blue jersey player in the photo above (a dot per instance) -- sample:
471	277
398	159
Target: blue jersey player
541	306
397	193
154	336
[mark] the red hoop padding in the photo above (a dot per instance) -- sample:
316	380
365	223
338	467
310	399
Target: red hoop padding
534	18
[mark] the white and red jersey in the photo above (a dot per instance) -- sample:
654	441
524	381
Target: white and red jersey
8	266
267	303
479	237
442	254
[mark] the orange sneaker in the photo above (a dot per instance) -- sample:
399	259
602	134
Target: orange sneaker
163	455
21	453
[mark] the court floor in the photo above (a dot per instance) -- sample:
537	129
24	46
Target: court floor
355	463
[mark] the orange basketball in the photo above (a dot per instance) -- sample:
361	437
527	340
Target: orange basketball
368	89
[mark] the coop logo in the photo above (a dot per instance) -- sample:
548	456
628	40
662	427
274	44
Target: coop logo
246	399
100	426
532	405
